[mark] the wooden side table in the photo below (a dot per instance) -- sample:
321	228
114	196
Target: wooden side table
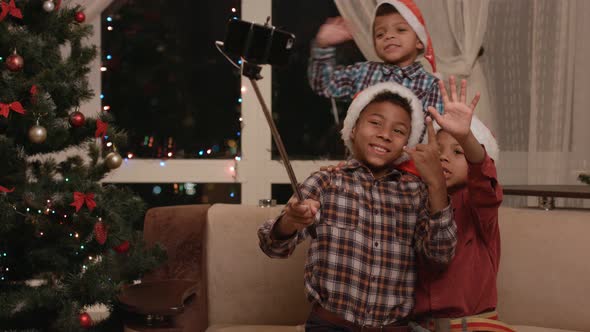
548	193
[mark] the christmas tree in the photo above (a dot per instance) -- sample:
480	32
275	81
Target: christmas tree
67	242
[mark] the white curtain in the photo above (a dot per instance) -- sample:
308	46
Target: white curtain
457	28
540	77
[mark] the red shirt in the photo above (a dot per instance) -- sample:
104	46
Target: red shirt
468	285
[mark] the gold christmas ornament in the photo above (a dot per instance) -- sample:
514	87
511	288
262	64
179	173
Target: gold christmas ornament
113	160
37	134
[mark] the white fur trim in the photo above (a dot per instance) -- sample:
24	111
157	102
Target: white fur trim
409	16
483	135
366	96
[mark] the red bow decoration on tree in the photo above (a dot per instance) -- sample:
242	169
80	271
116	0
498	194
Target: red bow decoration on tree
15	106
101	128
10	8
81	198
5	190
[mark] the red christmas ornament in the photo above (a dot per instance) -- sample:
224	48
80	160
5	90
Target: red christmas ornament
122	248
85	320
15	62
80	17
77	119
100	232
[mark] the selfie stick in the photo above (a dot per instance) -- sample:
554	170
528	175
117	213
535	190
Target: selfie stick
252	71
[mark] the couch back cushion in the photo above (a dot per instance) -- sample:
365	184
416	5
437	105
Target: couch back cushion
544	277
244	285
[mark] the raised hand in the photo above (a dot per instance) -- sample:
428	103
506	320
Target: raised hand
427	158
333	32
456	119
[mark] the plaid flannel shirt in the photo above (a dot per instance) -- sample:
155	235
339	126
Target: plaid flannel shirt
332	81
362	263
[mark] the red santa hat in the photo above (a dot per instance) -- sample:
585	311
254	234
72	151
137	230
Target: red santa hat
411	13
365	97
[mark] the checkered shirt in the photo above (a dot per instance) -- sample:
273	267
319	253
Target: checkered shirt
362	263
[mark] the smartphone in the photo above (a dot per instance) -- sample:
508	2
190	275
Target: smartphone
258	44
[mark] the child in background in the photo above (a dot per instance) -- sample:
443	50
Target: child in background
399	37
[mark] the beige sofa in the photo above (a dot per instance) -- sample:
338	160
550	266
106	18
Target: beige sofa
544	281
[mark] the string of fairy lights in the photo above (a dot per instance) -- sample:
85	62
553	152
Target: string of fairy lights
167	151
62	217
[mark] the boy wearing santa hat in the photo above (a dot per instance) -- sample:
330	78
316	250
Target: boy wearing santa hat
372	220
399	37
463	295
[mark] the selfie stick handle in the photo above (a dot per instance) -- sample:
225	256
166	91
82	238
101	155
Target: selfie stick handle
252	74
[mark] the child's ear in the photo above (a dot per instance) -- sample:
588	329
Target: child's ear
419	44
353	133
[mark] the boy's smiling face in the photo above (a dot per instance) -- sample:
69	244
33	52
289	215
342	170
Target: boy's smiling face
380	133
395	41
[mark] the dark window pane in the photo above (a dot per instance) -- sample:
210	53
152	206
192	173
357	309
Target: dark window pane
305	120
281	192
166	83
167	194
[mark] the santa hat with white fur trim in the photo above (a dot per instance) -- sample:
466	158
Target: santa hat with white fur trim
412	14
483	135
365	97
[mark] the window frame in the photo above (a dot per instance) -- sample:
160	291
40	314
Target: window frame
255	171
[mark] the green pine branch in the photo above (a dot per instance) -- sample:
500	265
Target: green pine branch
42	236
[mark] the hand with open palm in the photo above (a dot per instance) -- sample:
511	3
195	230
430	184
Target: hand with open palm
333	32
456	119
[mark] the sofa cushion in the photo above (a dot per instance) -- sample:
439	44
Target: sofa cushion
244	285
255	328
544	269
